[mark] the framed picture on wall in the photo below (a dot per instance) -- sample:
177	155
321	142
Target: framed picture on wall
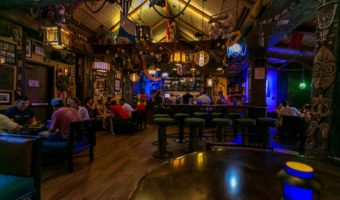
29	48
5	98
117	85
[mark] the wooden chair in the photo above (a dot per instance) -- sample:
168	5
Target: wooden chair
82	136
20	166
292	126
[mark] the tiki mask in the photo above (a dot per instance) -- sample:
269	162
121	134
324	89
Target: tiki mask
325	16
324	69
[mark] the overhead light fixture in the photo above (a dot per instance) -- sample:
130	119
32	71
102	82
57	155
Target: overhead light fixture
101	66
178	56
152	70
57	37
134	77
201	58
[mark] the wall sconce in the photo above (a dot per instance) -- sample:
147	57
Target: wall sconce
134	77
101	66
57	37
298	182
178	56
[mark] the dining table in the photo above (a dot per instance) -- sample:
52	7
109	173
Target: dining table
231	173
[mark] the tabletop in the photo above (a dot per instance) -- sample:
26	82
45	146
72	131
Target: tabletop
230	174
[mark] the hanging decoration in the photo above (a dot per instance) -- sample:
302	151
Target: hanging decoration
147	74
101	66
235	45
178	56
201	58
57	37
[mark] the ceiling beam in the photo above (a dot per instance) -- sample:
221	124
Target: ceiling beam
187	36
198	11
94	17
154	26
190	26
115	26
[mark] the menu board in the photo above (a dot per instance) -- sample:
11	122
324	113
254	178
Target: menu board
7	53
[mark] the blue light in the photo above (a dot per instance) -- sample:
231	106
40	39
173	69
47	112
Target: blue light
271	89
232	181
292	192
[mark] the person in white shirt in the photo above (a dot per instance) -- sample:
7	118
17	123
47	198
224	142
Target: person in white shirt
82	111
204	98
288	111
7	125
127	107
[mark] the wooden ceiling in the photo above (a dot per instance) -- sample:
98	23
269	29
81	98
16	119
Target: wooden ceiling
276	20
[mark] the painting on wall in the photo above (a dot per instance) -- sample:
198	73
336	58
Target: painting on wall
5	98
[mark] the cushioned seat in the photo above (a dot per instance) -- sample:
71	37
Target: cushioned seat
179	117
161	115
195	124
266	120
55	144
216	115
234	116
246	121
201	114
222	121
15	187
162	124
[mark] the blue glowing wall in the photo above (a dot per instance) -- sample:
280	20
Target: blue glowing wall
271	89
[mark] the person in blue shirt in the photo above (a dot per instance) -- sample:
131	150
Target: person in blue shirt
21	113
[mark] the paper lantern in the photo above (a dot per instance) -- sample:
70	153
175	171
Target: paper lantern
201	58
101	66
134	77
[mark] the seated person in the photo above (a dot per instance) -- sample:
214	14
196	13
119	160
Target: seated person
118	112
204	98
221	99
82	111
7	125
141	106
21	113
127	107
286	110
306	112
60	121
186	98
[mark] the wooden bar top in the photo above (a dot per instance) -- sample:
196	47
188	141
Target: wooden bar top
212	106
230	174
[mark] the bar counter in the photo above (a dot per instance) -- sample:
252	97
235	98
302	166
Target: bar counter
247	110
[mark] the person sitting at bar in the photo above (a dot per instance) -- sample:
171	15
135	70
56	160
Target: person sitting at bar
60	121
221	99
21	113
204	98
127	107
118	112
76	104
187	97
7	125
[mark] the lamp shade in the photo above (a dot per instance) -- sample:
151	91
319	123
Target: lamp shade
101	66
201	58
57	37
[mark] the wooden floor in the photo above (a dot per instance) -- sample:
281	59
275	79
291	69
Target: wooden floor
120	162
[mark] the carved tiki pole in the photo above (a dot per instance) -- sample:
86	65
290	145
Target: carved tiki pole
323	137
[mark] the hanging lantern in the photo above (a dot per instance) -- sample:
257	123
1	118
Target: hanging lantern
201	58
101	66
302	85
57	37
299	182
178	56
134	77
235	45
152	70
209	82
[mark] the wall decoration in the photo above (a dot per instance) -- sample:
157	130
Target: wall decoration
8	29
117	85
28	48
260	73
7	53
5	98
39	50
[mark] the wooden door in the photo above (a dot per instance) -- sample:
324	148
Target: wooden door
40	90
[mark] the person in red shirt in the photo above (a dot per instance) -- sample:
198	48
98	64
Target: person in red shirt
140	106
60	121
118	112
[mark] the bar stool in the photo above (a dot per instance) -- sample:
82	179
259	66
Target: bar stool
161	116
220	124
179	117
246	123
162	124
202	115
195	124
233	117
263	124
216	115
